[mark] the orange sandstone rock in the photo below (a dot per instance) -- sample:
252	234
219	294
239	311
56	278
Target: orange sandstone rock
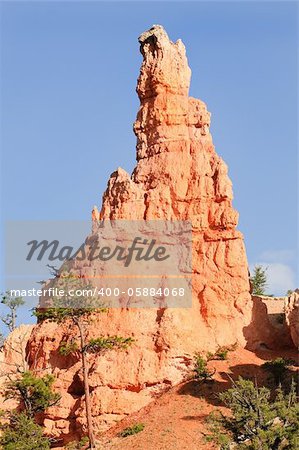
13	360
178	176
291	308
268	326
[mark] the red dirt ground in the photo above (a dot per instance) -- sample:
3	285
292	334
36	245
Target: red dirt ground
177	420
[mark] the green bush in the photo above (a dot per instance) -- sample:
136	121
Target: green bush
257	422
21	433
218	433
134	429
202	373
35	393
221	353
278	368
66	348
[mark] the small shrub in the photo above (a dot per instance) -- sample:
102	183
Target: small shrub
66	348
278	368
210	356
21	433
221	353
108	343
77	445
202	373
134	429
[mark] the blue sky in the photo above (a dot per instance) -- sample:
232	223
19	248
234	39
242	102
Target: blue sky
68	103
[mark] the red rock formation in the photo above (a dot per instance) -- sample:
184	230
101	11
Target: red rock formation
13	359
268	327
291	308
178	176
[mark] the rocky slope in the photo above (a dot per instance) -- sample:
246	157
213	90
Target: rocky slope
179	418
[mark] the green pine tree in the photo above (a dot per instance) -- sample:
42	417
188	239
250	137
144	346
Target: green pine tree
22	433
19	431
77	309
258	421
12	303
34	393
259	280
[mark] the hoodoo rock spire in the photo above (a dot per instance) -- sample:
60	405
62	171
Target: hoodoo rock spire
178	177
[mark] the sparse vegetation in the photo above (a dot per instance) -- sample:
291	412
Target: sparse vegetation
202	373
75	445
134	429
34	393
66	348
257	422
259	280
108	343
278	368
22	433
218	433
221	353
